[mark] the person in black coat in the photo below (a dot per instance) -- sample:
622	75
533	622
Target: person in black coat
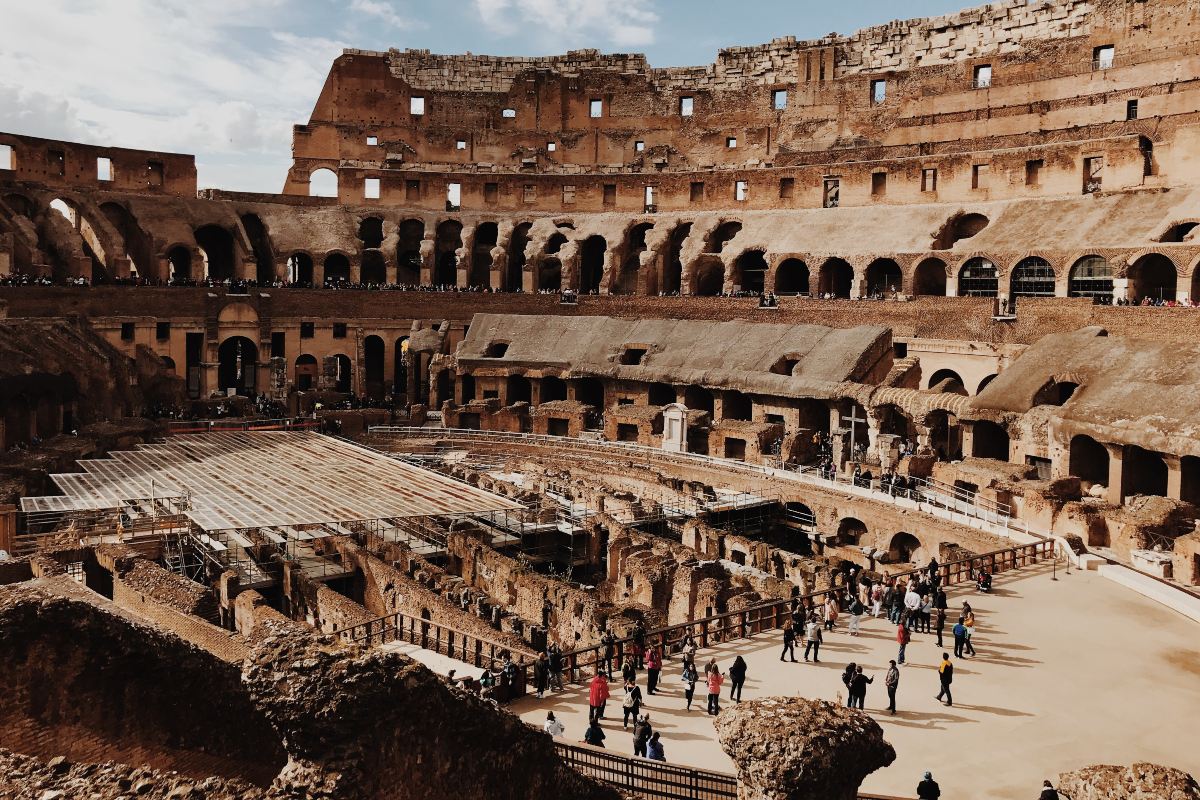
737	677
928	789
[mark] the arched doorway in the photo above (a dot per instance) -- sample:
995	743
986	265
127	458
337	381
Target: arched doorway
179	260
553	388
1088	460
1091	276
408	252
306	372
449	239
1032	277
520	390
337	269
884	278
237	365
791	277
850	531
1152	277
672	282
400	361
513	275
323	183
590	391
945	438
946	381
709	278
1143	472
373	367
751	271
550	275
635	245
370	233
374	268
216	246
903	548
836	278
978	278
300	269
486	235
260	244
929	278
990	440
591	264
343	374
723	234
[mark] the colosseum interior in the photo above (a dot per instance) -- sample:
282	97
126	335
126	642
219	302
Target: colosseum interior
587	366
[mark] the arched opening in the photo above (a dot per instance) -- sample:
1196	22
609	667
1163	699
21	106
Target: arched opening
486	235
237	365
884	278
550	275
1054	393
1178	232
1088	460
661	394
978	278
1032	277
945	438
467	382
983	383
553	388
1143	472
903	548
929	278
323	183
591	264
260	244
300	269
400	361
723	234
836	278
1189	482
18	422
408	251
710	279
699	398
516	258
449	239
946	381
672	282
370	233
374	268
168	364
138	246
635	245
751	271
989	440
957	228
850	531
373	367
519	389
306	372
179	260
216	246
736	405
791	277
1091	276
1152	277
893	421
444	387
337	269
343	374
813	414
591	392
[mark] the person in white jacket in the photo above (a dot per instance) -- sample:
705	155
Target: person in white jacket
553	726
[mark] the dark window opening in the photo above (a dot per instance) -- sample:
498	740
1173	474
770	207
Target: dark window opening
127	331
162	331
496	350
339	330
633	355
307	330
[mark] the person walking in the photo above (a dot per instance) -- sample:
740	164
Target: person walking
597	696
848	681
945	678
903	637
642	731
654	748
629	669
556	667
856	612
737	678
858	688
715	679
813	638
968	621
789	643
940	616
609	640
960	637
926	613
541	674
928	789
1048	791
689	648
594	735
892	682
631	705
689	681
639	643
553	726
653	669
876	599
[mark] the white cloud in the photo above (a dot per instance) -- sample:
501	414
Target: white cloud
563	24
385	12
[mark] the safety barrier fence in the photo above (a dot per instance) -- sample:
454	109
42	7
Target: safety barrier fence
179	427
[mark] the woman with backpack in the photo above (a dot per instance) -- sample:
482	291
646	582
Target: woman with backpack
631	704
689	681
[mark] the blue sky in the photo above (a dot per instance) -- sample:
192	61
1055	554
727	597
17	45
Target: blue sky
226	79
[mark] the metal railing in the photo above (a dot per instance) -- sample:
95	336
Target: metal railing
650	779
932	494
178	427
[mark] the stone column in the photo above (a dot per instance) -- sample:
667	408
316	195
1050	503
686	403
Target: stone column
1174	476
952	286
1116	457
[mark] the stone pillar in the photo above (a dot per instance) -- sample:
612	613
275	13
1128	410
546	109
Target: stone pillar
952	286
793	748
674	438
1174	476
1116	457
1121	289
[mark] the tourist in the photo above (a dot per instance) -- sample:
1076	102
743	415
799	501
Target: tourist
629	669
945	678
689	648
631	705
940	617
912	603
848	679
960	638
556	667
831	612
892	682
541	674
896	610
903	637
553	726
597	696
609	640
858	688
594	735
737	678
653	669
1048	791
714	690
968	621
639	643
877	594
856	612
641	735
789	643
689	681
812	640
654	748
928	789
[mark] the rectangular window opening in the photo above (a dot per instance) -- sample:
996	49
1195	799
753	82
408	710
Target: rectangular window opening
1093	174
779	99
740	191
509	113
929	179
1131	111
831	196
491	192
878	184
372	141
1102	57
339	330
56	162
6	157
697	191
551	147
371	188
416	106
686	106
461	144
610	194
787	188
1033	171
154	173
162	331
126	331
453	196
649	199
529	193
104	169
878	92
568	194
983	76
731	142
307	330
639	146
979	174
596	109
278	344
412	190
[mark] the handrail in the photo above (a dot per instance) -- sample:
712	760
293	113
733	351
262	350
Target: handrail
177	427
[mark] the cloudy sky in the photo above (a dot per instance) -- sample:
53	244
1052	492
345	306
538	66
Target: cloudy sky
226	79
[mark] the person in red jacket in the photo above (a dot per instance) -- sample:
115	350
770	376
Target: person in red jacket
715	679
902	638
653	668
597	697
